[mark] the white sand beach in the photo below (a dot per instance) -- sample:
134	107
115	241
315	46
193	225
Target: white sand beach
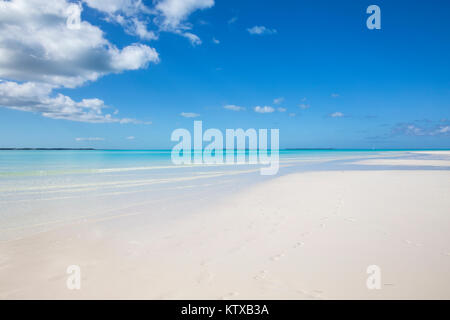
224	150
404	162
305	235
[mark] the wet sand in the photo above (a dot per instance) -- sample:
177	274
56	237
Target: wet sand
308	235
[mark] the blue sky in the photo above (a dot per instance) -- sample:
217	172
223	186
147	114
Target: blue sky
330	80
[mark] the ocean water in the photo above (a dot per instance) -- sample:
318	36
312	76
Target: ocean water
59	162
41	190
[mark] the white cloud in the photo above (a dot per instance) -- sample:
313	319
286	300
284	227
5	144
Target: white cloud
234	108
260	30
194	39
36	45
292	114
130	138
36	97
139	28
171	14
174	12
163	15
422	128
189	115
280	109
411	130
445	129
265	109
214	40
278	100
113	6
39	53
133	57
128	13
335	95
336	114
89	139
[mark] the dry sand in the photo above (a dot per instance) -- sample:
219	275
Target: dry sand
433	152
302	236
405	162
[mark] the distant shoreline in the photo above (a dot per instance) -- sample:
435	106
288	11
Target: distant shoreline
46	149
282	149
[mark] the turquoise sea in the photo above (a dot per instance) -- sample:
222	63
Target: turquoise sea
44	189
56	162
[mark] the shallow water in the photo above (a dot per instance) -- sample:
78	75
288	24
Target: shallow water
42	190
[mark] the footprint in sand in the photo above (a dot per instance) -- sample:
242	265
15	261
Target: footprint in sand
261	275
230	295
299	244
277	257
315	294
338	206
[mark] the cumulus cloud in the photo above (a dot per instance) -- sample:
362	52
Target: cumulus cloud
215	41
194	39
422	128
335	95
265	109
165	15
233	107
36	97
444	130
139	28
130	138
170	15
36	45
174	12
130	14
189	115
128	7
261	30
336	114
40	52
45	46
417	128
280	109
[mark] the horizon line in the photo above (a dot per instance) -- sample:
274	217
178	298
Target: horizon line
156	149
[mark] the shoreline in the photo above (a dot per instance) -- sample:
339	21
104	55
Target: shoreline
308	235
